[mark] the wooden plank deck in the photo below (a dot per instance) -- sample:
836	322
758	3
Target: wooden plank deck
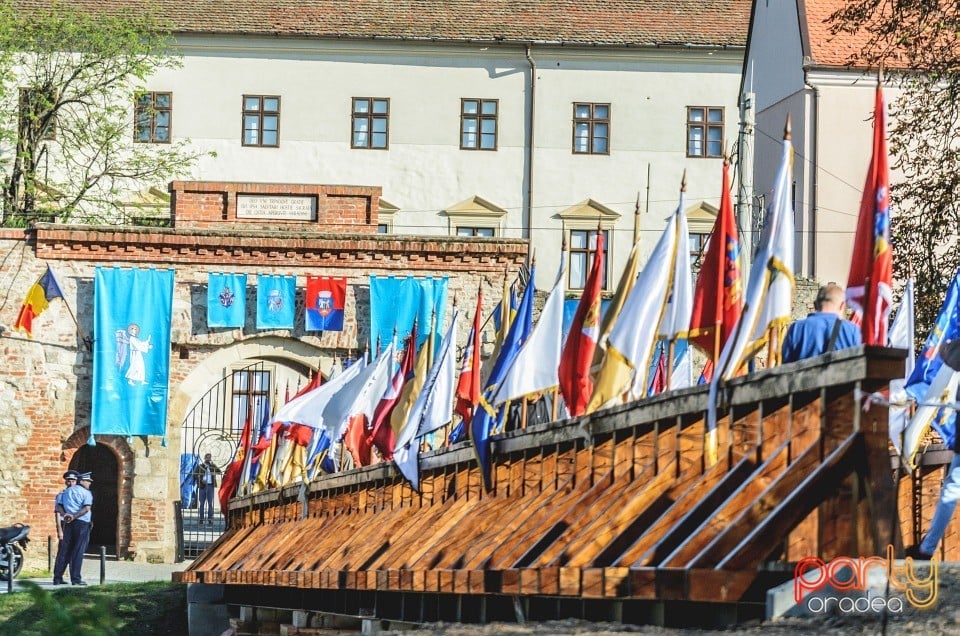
615	505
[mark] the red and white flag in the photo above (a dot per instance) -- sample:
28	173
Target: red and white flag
381	434
468	384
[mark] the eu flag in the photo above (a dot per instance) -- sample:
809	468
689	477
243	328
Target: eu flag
486	417
946	327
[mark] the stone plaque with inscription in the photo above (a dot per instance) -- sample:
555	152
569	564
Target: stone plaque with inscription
279	208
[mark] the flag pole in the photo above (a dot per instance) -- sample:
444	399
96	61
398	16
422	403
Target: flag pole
636	219
83	337
672	340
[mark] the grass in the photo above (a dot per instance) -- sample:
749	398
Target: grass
145	609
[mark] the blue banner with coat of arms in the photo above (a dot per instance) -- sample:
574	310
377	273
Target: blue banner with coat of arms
133	309
276	301
226	300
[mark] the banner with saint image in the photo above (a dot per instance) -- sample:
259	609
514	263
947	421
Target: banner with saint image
133	309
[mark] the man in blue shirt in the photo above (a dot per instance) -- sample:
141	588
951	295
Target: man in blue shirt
75	505
822	331
69	479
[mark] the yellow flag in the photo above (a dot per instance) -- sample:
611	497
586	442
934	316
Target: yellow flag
627	281
410	391
615	375
264	480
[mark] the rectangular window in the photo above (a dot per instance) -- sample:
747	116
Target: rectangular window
698	247
591	129
251	395
152	114
478	124
484	232
383	228
371	123
261	120
583	245
704	131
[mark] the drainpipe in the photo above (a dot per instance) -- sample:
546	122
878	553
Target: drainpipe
814	181
528	212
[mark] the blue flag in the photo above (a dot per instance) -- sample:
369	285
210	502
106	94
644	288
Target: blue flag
226	300
276	301
486	417
946	327
396	302
131	355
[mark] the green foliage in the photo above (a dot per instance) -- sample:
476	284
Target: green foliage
924	133
141	609
68	80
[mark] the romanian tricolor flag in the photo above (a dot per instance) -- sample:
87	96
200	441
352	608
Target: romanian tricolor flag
37	300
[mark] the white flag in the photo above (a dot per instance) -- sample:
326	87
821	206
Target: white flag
769	294
360	396
432	409
625	370
902	335
902	332
535	366
676	316
308	408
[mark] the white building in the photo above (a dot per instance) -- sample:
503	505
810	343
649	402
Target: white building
795	65
500	118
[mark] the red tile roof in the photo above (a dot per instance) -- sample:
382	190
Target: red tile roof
828	49
591	22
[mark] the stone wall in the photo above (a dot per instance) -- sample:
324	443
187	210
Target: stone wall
45	389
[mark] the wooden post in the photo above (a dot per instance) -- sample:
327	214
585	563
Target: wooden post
716	344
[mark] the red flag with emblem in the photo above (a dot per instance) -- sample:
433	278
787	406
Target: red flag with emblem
870	284
718	295
468	384
577	356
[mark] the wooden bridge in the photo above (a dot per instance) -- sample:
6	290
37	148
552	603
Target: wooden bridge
613	516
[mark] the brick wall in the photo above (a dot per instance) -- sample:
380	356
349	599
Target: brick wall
214	204
45	389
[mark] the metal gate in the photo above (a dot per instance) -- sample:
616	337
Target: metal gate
214	425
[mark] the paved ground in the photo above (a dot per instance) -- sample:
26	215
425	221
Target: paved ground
114	572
